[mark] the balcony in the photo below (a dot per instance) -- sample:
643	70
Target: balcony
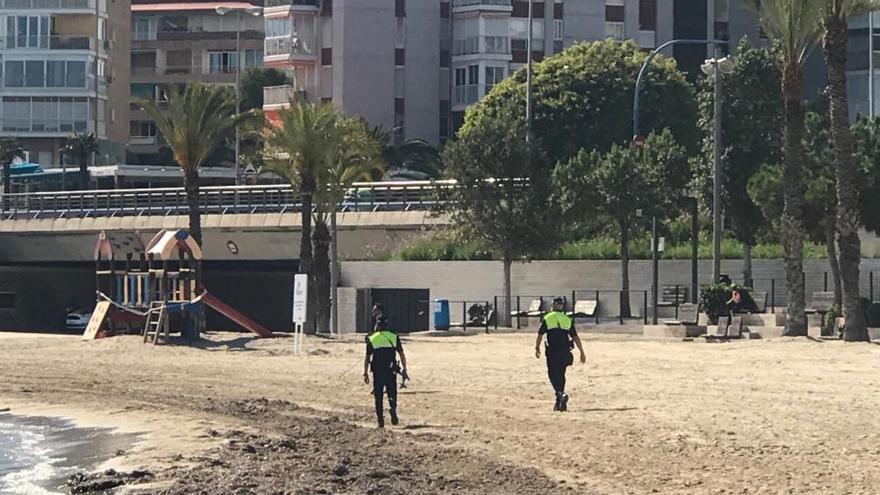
53	5
614	30
293	3
48	43
282	95
466	95
478	5
45	127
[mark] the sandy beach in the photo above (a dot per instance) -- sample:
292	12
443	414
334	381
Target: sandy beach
239	415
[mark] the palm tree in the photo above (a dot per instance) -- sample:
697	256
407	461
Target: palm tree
197	121
301	145
355	158
835	20
414	159
79	148
9	151
793	25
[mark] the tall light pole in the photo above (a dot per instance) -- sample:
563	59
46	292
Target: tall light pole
637	138
254	11
716	68
871	64
529	103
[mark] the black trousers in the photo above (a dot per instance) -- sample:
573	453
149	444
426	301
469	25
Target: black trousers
385	382
557	362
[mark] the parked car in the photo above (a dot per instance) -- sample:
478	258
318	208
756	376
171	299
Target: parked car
78	320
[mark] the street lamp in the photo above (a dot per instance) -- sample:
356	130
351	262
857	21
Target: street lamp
716	68
529	102
254	11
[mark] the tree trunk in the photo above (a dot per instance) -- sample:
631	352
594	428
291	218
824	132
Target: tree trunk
792	213
306	262
831	246
625	311
508	298
321	242
835	45
84	172
7	184
747	264
191	186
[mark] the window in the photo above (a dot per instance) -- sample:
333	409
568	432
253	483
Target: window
222	62
399	57
253	58
143	28
27	31
444	10
13	74
496	44
55	74
494	75
34	74
614	13
276	28
400	8
558	46
521	9
400	33
647	15
558	30
399	106
473	74
557	10
141	128
76	74
173	24
146	91
326	56
467	46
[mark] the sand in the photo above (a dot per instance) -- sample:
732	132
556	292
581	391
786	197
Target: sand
239	415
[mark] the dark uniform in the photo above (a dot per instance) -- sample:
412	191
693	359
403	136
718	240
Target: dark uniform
559	331
382	347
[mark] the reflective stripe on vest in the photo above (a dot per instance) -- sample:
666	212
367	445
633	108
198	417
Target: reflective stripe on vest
382	339
557	320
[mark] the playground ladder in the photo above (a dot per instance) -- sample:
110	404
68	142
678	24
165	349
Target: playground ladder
157	323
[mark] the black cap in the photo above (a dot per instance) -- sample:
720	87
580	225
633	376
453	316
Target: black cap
378	307
558	300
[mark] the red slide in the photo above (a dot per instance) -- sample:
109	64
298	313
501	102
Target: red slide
234	315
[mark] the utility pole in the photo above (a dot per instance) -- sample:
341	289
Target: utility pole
871	64
716	182
529	102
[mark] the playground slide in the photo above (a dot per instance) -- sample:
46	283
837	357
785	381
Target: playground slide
234	315
98	316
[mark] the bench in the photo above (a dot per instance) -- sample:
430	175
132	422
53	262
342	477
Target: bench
728	328
760	299
688	314
478	315
584	308
821	302
535	309
673	295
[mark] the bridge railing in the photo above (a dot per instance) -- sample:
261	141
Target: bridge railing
362	196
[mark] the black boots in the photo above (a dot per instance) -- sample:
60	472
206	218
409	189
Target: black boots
394	420
561	402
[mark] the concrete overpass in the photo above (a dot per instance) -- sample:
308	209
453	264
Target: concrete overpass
238	222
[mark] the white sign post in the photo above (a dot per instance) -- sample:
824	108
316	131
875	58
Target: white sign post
300	303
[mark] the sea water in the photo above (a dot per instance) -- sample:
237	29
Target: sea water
37	454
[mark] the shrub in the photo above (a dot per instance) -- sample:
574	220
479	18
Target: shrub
713	300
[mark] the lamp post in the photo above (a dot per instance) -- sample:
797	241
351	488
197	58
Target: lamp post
529	102
716	68
254	11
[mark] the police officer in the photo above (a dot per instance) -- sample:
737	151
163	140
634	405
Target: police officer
382	347
378	313
561	339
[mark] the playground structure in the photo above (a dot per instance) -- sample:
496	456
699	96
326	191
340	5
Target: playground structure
155	287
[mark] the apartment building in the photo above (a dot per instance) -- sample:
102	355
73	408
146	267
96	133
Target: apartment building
64	70
174	44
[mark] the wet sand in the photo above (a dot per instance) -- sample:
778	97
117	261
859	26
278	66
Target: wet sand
238	415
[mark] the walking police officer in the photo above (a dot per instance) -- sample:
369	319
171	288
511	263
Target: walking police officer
382	347
561	339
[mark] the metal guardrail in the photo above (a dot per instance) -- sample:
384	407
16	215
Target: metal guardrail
364	197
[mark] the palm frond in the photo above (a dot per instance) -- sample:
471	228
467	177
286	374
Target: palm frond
794	25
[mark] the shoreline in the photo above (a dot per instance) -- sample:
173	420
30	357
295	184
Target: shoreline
138	439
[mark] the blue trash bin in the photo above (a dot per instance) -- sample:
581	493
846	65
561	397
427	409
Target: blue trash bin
441	314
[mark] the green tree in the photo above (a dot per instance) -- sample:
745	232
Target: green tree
583	99
766	189
793	26
866	135
198	119
253	80
303	144
414	159
80	148
503	194
652	178
10	150
752	135
354	158
835	20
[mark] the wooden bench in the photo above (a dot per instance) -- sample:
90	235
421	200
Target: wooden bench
673	295
728	328
760	299
688	314
821	303
584	308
